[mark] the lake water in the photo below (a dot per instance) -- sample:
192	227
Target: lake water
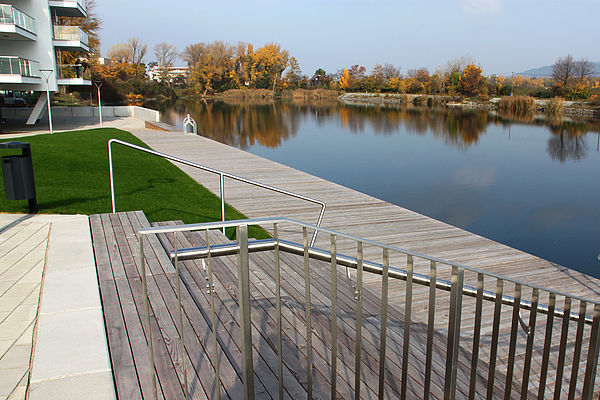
520	180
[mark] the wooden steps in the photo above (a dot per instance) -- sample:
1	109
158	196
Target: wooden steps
116	248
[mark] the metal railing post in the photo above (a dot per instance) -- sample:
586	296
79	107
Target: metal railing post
211	290
309	360
278	307
147	311
222	194
458	276
181	335
244	307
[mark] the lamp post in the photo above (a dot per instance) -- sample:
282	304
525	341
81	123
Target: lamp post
98	84
47	74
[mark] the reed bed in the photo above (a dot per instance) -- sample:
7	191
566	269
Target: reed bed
517	104
555	106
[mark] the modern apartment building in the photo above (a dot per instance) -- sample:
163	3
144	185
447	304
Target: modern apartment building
31	42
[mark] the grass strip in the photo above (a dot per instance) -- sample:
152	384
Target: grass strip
71	176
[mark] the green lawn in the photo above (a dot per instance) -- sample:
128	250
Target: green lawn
71	176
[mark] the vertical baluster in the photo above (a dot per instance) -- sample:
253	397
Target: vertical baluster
211	290
535	297
592	360
181	335
358	339
564	333
476	336
244	307
495	334
333	317
577	349
407	318
278	306
456	293
384	317
430	328
309	364
547	344
512	347
147	310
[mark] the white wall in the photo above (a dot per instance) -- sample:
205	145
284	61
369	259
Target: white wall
141	113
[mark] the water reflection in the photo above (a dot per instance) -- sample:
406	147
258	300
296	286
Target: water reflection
270	124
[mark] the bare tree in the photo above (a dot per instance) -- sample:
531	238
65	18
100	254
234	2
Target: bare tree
563	70
119	53
389	71
458	64
165	56
137	50
583	70
193	52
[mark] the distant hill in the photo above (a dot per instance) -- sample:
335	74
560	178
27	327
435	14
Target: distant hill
547	71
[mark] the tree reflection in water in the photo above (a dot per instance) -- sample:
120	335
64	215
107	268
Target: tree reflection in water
268	123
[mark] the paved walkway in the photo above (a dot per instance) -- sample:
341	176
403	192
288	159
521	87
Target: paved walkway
52	336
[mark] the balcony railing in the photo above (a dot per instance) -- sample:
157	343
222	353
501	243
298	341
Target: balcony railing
71	34
19	66
11	15
76	71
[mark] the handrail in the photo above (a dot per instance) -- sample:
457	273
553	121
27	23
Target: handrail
188	120
453	316
275	220
221	174
228	249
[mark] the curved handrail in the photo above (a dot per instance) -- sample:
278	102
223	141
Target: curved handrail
221	174
188	120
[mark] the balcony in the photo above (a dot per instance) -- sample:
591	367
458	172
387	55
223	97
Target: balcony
68	8
19	70
15	24
73	75
71	38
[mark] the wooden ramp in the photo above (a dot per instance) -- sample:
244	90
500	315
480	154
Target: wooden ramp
116	248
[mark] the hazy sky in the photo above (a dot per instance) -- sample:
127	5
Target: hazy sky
502	35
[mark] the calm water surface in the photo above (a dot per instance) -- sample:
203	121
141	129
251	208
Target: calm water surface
529	183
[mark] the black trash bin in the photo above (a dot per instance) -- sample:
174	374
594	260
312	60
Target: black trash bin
19	183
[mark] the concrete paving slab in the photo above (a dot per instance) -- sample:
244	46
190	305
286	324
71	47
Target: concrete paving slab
12	330
17	357
70	343
69	290
9	380
75	388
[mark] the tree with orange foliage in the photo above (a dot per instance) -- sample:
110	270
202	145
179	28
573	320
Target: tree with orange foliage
470	80
345	79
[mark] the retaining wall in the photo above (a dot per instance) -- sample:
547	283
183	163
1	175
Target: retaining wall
141	113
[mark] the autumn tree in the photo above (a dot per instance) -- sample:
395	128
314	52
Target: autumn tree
165	57
213	68
583	71
470	80
345	79
389	72
268	63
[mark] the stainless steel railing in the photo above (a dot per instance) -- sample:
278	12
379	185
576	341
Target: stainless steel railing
222	176
569	348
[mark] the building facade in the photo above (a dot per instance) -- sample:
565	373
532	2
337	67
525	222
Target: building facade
31	42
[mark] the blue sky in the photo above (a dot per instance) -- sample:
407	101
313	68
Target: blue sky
501	35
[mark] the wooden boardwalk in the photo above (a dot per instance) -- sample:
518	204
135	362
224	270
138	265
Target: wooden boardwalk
116	246
355	213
